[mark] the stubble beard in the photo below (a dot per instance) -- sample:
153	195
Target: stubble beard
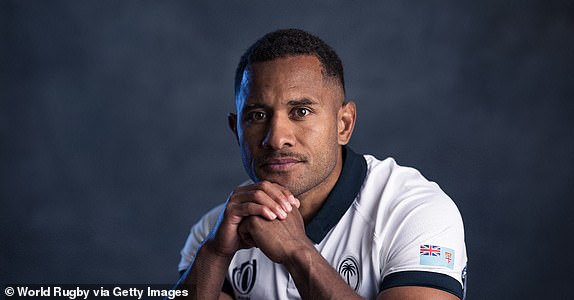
313	174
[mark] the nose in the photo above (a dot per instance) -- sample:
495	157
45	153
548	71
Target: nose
279	133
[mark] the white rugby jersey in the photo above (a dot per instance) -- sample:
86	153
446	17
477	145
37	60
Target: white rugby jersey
382	226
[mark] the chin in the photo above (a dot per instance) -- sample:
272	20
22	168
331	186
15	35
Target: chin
282	179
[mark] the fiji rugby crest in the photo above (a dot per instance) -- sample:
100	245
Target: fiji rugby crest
349	269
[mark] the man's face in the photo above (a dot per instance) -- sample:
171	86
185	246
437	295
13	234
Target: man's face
288	123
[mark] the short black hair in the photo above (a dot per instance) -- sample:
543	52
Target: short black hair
291	42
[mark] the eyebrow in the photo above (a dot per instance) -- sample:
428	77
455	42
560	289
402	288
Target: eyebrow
301	102
254	105
292	103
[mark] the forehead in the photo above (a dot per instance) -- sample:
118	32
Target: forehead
287	68
295	76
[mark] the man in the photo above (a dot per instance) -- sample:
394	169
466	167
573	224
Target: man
318	221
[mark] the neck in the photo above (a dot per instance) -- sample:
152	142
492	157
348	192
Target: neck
312	200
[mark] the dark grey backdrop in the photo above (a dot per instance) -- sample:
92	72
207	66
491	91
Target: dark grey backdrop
114	136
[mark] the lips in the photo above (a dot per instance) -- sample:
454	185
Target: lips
280	164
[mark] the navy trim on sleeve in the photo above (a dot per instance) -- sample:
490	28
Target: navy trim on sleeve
423	278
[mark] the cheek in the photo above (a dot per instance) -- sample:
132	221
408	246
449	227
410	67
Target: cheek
320	134
248	138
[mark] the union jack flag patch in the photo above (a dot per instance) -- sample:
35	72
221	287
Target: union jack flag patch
431	250
431	255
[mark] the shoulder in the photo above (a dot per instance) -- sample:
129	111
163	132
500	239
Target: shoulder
198	232
401	188
410	214
394	195
391	176
209	219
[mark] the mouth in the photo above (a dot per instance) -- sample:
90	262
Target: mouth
281	164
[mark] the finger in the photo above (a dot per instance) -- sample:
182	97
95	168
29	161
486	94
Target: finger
279	194
262	197
290	197
246	209
295	201
260	194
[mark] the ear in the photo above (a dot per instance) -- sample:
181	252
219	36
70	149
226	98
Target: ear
346	122
232	122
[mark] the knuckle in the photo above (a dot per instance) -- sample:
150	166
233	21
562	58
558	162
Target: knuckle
235	197
252	208
265	184
258	194
230	207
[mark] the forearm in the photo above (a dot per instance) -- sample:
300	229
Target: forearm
316	279
204	278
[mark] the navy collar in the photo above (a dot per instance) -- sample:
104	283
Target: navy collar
341	196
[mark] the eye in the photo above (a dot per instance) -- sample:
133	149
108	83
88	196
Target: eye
256	116
301	112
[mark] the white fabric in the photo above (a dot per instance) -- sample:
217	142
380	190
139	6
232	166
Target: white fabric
396	211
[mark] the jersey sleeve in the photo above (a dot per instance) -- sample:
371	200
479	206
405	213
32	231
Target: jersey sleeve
425	244
197	235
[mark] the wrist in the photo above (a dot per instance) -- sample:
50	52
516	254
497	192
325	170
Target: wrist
303	255
209	247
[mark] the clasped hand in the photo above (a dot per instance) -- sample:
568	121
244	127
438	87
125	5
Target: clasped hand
263	215
278	239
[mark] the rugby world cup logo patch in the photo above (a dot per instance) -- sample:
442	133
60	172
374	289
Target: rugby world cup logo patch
350	271
244	277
